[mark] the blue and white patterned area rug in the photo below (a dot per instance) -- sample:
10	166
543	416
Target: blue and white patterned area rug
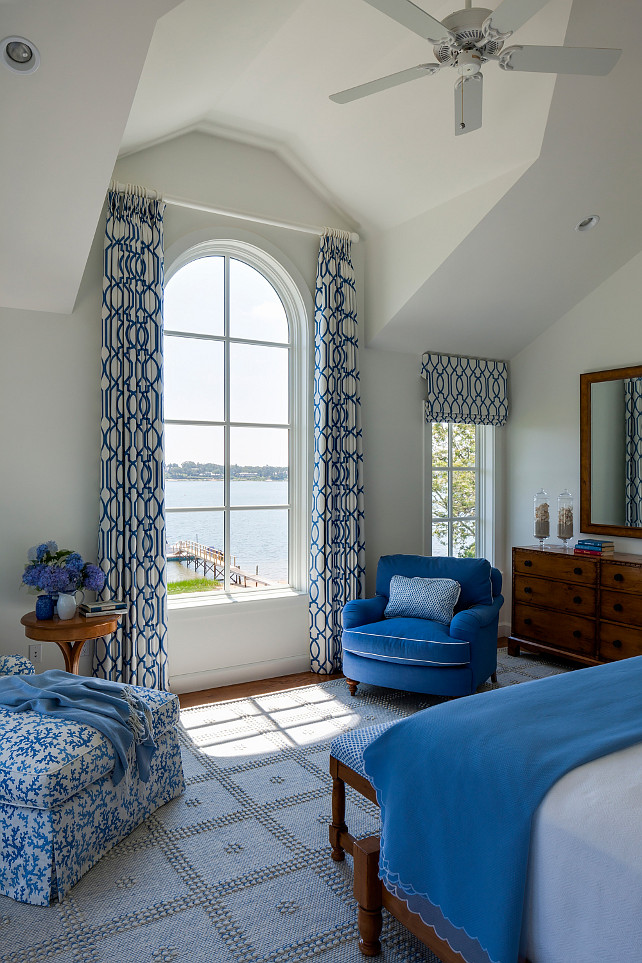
237	870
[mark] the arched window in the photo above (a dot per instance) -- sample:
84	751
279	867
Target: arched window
235	422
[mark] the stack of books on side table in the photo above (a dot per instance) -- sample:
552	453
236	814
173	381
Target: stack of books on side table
594	546
91	610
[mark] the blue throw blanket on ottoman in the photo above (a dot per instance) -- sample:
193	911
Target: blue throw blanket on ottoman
111	707
458	785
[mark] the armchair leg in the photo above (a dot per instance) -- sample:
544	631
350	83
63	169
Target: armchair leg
493	677
352	685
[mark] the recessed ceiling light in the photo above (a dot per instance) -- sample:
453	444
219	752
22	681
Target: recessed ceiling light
20	54
588	222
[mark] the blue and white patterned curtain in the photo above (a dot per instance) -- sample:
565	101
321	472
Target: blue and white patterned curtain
131	542
633	412
467	391
337	552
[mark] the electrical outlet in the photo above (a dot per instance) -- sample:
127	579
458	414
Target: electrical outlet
35	653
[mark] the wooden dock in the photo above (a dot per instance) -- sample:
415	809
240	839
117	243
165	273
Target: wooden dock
212	563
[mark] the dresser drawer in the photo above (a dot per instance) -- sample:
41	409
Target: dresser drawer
620	607
564	567
619	641
569	632
624	578
574	598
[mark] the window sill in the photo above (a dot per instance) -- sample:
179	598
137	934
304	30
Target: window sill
193	600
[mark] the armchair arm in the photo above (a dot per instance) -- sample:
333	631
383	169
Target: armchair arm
467	623
362	611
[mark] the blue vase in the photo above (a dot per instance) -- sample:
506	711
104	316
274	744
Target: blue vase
44	607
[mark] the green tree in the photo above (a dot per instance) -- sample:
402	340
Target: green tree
454	489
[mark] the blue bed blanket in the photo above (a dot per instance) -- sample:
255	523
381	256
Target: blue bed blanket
111	707
458	785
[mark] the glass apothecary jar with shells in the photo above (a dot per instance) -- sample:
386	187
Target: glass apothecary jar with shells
565	517
541	517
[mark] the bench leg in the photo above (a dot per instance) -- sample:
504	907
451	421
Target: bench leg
367	892
338	824
352	685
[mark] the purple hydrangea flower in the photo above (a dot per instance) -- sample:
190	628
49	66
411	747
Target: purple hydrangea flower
33	574
93	578
41	551
74	563
55	578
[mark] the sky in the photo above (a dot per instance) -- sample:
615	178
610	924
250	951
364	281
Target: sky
194	302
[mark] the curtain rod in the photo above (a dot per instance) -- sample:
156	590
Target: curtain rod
243	216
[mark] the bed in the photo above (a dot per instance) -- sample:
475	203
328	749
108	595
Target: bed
583	884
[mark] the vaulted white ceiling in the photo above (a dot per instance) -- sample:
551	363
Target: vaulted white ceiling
269	68
470	241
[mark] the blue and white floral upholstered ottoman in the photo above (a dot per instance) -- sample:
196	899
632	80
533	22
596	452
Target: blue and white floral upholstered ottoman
59	809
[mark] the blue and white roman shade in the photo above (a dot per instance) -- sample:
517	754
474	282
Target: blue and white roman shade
469	391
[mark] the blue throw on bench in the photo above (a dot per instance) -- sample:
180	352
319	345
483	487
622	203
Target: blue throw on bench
458	785
111	707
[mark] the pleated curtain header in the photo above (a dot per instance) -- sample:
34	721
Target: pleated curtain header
465	390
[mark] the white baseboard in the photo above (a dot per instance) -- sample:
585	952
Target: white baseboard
504	629
230	675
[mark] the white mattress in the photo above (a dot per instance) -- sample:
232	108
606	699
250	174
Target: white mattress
584	891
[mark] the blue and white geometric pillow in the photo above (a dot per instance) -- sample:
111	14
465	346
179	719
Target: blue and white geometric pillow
422	598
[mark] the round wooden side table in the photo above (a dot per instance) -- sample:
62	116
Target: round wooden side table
69	634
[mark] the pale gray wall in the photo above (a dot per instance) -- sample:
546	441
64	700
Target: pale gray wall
543	437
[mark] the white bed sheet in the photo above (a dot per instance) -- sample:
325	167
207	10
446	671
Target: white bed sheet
584	891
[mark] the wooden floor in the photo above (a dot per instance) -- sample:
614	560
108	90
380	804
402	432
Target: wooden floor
243	690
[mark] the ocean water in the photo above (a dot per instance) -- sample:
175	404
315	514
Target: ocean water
258	538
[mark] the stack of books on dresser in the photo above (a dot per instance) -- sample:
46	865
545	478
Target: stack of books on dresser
594	546
92	610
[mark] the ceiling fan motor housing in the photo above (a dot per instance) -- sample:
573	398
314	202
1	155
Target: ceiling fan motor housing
466	26
468	63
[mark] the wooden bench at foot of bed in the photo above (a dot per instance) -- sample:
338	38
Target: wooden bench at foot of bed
371	895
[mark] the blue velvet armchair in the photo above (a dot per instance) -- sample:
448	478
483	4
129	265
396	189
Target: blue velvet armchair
421	655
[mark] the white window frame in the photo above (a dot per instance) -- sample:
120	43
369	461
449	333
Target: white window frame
298	416
485	443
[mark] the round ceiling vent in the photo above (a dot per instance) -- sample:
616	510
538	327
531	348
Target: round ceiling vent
20	54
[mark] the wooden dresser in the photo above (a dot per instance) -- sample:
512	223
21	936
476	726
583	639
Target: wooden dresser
585	609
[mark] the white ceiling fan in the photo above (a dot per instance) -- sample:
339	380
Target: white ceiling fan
467	39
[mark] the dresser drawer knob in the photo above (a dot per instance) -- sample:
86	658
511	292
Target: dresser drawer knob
528	590
527	621
577	571
617	607
618	577
617	643
578	599
528	563
577	634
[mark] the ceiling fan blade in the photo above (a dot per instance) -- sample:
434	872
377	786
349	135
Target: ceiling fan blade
383	83
414	18
511	14
468	104
596	61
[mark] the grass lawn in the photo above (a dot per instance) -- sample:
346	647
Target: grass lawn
192	585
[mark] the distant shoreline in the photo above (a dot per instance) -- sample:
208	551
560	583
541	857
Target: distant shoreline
245	478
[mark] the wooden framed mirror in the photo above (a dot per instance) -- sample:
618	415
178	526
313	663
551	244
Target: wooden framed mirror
611	452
